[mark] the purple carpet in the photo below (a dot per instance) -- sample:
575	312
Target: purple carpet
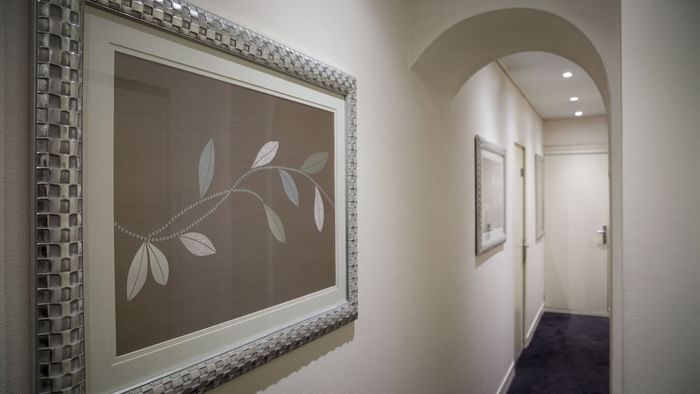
568	354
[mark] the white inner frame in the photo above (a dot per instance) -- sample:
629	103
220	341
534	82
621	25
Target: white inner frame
106	34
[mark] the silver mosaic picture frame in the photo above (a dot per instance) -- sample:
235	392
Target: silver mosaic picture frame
59	297
481	145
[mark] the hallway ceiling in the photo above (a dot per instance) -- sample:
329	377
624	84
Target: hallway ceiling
539	76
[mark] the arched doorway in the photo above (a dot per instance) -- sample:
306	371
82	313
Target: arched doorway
461	50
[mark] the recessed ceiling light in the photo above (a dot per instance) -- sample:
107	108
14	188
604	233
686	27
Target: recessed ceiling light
567	74
573	98
578	113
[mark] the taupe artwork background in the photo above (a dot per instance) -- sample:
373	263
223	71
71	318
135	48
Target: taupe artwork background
163	119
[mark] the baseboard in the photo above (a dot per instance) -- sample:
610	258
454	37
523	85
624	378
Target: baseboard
533	326
507	380
576	312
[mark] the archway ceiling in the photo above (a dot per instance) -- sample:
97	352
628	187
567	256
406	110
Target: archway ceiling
539	76
464	48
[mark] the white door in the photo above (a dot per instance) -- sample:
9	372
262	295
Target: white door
576	206
520	252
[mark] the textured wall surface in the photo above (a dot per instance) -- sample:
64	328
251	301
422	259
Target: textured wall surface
661	175
15	294
490	106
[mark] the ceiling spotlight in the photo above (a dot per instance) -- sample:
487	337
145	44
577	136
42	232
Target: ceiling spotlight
573	98
578	113
567	74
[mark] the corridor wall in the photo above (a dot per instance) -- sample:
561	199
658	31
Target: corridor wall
433	317
581	132
491	106
661	181
15	268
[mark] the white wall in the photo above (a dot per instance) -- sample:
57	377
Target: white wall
431	317
661	181
590	131
489	105
15	161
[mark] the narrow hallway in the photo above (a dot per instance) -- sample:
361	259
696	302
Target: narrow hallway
568	354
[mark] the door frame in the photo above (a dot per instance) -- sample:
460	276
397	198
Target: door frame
593	150
521	244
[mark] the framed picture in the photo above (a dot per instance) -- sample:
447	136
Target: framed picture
196	200
490	195
539	195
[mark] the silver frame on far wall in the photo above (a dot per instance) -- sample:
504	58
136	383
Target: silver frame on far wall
60	334
539	196
481	145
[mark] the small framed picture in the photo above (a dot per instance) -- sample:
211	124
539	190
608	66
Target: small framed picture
490	195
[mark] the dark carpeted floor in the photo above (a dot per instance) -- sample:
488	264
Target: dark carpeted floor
568	354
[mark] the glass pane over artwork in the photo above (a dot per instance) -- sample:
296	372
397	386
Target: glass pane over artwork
223	201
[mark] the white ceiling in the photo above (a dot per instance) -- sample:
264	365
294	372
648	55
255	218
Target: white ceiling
539	76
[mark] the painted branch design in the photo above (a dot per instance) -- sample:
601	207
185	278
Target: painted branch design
148	255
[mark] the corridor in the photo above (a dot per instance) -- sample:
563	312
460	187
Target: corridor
568	354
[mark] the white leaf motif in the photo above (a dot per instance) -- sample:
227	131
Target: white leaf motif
266	154
275	223
138	271
290	188
315	163
159	264
318	209
206	167
197	244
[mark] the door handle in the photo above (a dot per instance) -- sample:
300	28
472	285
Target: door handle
604	233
